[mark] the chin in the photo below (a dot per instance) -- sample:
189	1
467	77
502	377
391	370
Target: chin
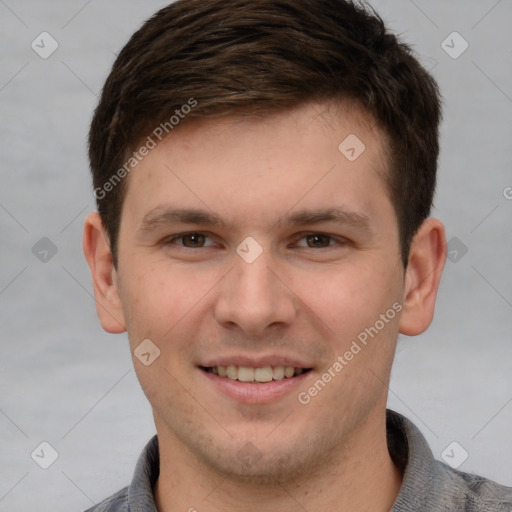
276	464
264	471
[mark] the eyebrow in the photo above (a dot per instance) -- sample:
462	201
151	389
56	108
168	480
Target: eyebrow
163	216
160	216
354	219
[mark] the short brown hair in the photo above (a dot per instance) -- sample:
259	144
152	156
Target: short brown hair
248	56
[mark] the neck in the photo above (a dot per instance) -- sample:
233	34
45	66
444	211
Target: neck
359	476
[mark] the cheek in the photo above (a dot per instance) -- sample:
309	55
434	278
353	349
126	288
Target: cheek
345	297
161	300
348	302
150	300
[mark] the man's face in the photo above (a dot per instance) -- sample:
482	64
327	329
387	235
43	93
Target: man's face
228	257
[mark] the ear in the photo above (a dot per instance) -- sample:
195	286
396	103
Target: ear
427	257
96	248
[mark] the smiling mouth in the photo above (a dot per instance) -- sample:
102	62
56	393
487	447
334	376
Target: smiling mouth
255	375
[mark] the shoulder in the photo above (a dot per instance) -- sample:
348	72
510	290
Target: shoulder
476	493
116	503
138	495
430	485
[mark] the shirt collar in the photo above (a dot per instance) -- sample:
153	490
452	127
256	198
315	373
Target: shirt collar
147	469
411	453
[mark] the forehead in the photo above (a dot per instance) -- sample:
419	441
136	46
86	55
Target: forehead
317	155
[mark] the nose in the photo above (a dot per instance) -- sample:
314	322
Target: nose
254	297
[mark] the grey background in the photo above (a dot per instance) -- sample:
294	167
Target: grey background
64	381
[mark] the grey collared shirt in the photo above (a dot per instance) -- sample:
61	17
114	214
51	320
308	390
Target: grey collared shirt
428	485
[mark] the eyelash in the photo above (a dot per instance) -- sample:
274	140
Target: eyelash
339	240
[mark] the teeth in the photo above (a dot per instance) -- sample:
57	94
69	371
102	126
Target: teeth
263	374
232	372
289	371
278	373
245	374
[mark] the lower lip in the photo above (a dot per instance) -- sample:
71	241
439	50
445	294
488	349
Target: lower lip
256	393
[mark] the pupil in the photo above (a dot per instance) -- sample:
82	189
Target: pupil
318	240
193	240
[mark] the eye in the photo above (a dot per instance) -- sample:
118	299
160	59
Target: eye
318	241
194	240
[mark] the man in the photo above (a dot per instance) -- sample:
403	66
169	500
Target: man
264	173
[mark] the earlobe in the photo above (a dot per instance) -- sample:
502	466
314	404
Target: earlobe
104	277
426	262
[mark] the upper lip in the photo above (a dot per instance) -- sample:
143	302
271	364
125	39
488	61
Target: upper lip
255	362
